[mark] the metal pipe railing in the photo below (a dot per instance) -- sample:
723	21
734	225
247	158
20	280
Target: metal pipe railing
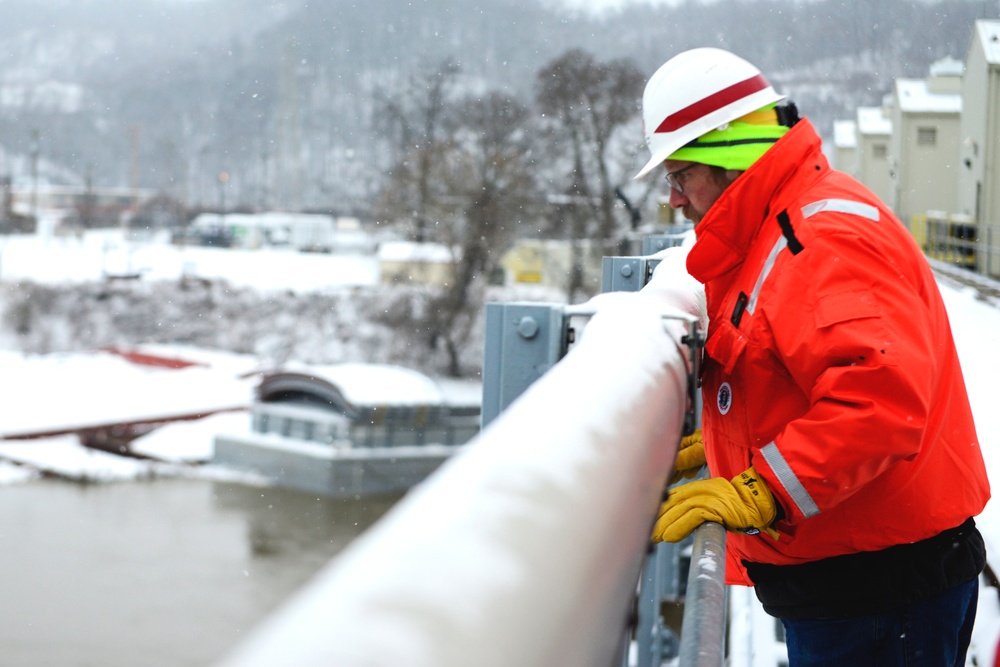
703	635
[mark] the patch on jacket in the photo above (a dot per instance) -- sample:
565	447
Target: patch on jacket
724	399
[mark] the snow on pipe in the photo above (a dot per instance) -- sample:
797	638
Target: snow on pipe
525	548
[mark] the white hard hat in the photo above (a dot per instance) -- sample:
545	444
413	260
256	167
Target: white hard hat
695	92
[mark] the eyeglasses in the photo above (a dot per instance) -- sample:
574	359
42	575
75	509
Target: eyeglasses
674	182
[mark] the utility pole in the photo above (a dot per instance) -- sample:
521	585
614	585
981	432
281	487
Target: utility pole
134	137
87	212
223	179
262	202
288	163
35	149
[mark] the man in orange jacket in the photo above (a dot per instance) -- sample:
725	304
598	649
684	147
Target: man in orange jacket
836	426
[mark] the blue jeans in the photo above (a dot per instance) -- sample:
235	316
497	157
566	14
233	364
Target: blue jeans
930	633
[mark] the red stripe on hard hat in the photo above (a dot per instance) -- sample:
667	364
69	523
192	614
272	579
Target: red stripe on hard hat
713	102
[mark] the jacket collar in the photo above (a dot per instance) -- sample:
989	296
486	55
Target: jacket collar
729	227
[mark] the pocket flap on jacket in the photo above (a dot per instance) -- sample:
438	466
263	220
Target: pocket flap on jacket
845	306
726	345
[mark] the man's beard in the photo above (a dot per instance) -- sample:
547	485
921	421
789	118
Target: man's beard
691	214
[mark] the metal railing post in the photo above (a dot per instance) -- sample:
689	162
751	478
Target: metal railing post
661	582
523	341
989	251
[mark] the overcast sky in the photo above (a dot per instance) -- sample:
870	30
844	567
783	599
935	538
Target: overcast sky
603	5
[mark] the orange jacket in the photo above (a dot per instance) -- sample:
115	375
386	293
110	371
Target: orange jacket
830	364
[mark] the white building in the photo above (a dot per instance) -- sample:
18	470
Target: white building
979	148
874	136
845	146
923	152
550	262
409	263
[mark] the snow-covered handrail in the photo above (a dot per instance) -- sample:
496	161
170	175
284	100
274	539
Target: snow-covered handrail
525	548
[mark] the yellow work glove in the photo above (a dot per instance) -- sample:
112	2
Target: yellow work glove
744	505
690	457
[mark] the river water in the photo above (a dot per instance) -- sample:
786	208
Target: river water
170	572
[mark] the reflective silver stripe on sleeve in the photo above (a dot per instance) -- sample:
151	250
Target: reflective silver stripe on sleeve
772	257
834	205
841	206
787	478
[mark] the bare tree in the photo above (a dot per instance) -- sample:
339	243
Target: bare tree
490	186
412	118
590	102
589	105
475	184
487	191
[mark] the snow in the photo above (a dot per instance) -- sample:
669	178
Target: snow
872	120
57	391
398	251
93	390
13	474
65	456
947	66
844	135
915	96
976	327
376	384
190	441
989	38
51	259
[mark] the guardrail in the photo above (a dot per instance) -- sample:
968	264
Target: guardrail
954	239
959	240
525	548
